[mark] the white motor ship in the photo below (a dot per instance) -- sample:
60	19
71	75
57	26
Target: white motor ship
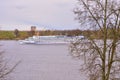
30	40
49	40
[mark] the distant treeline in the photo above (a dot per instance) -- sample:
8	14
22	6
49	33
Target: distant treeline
9	35
96	34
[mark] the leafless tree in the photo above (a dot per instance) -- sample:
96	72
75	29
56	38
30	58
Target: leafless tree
101	57
5	70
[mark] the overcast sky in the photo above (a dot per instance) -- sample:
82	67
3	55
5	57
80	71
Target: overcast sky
49	14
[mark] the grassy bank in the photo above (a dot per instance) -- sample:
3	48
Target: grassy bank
9	35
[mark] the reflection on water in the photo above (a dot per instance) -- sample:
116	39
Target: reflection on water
41	62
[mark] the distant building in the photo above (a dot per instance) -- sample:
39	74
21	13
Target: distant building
33	28
32	31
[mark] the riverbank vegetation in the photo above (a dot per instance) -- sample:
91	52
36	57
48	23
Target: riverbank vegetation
96	34
9	35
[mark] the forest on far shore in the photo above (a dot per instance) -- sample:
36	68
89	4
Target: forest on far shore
96	34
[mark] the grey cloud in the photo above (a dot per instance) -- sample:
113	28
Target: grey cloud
20	7
49	12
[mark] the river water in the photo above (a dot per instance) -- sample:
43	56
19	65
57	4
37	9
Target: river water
41	62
